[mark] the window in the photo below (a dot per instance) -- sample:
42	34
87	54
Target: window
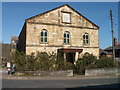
43	36
66	17
85	38
66	38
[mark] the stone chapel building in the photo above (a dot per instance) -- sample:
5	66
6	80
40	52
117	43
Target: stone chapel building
62	29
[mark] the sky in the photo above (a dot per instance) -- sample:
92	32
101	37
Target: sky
15	13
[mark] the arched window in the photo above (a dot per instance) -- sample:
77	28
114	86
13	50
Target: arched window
43	36
86	38
66	38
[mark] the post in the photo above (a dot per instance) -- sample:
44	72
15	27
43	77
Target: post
65	58
112	29
76	57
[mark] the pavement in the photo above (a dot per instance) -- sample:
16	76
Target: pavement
6	76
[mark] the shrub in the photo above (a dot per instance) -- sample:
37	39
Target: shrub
105	62
86	62
60	64
41	61
89	60
52	61
20	61
70	66
79	67
31	62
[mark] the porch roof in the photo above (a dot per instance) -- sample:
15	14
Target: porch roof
68	50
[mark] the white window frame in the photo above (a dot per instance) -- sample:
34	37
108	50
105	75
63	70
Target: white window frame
44	38
86	39
66	17
66	38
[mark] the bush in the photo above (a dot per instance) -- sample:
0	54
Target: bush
31	62
19	60
52	61
89	60
60	64
70	66
43	61
86	62
105	62
79	67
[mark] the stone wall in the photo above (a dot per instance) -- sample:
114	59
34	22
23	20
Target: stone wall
55	35
49	49
55	17
103	71
47	73
56	38
21	46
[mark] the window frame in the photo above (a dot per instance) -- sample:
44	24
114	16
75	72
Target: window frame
86	40
44	38
63	12
66	37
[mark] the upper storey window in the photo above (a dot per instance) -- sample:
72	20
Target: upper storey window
86	38
66	17
66	38
43	36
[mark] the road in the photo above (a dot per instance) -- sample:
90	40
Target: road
111	82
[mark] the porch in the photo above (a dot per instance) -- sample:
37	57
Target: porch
70	55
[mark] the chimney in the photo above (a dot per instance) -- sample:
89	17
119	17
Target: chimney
115	41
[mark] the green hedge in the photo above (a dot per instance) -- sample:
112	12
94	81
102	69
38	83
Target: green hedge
105	62
90	61
43	61
86	62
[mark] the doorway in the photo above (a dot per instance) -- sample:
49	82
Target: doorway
70	57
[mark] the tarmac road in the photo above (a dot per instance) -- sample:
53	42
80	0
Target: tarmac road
111	82
11	81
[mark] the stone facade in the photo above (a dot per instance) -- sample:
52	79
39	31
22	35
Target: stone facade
52	21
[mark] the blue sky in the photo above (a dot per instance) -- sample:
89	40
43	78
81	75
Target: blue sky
14	14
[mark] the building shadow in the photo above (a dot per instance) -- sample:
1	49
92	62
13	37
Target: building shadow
95	87
109	86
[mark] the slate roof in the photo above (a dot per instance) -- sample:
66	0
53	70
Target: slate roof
110	48
14	38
